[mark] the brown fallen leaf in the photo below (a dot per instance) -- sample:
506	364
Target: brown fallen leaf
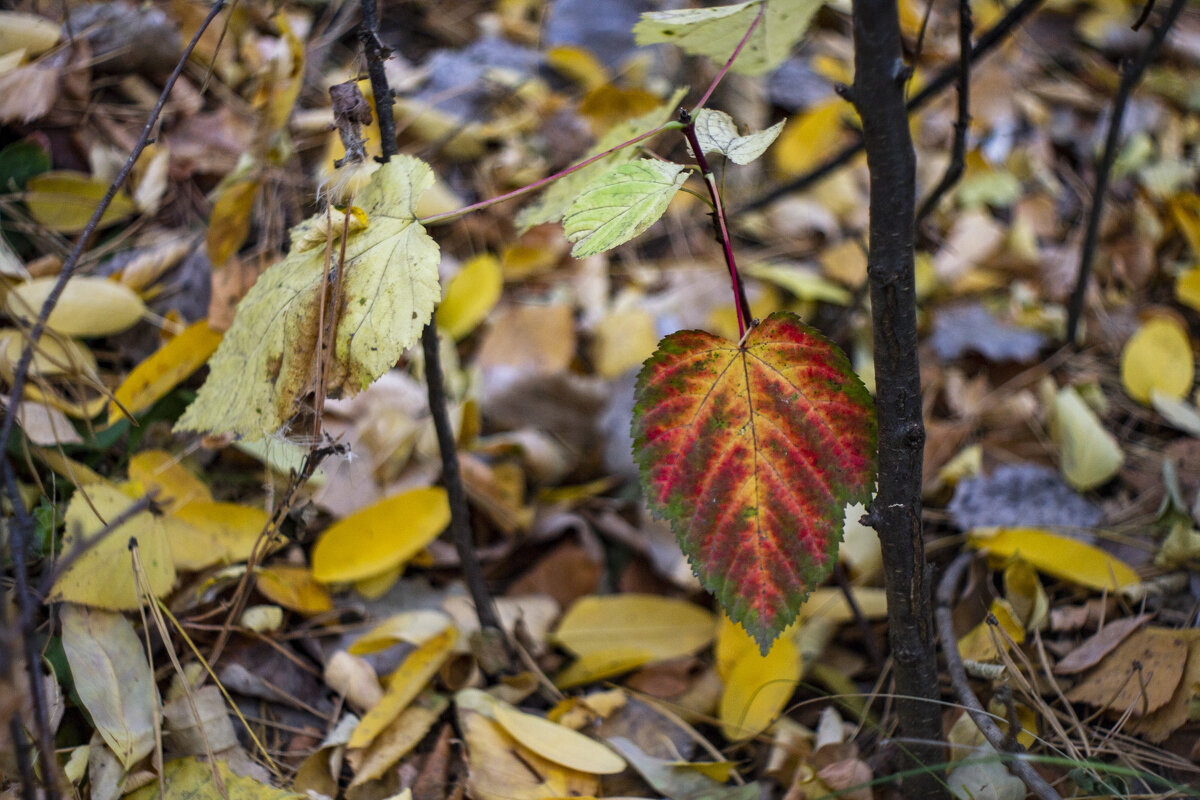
1100	644
1176	712
1140	676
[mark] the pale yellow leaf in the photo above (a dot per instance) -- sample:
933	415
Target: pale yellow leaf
64	201
103	575
151	380
55	355
113	679
414	627
381	536
176	485
757	689
1158	357
87	306
1064	558
557	743
596	665
663	627
578	64
29	32
205	533
403	685
268	361
1187	287
470	295
1090	456
294	588
405	733
499	768
622	340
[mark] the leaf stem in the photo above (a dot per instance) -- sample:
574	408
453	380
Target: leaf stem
737	51
448	216
739	296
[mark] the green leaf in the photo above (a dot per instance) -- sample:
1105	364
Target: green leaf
752	453
620	204
268	360
552	204
717	133
715	32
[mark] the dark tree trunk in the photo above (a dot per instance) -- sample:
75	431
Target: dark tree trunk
878	94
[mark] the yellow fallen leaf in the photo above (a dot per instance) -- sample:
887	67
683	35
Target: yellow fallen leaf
381	536
1089	455
622	340
1187	288
267	360
578	64
663	627
596	665
1158	357
1064	558
757	688
103	575
556	742
1185	210
204	533
294	588
28	32
376	586
414	627
78	474
829	603
733	642
55	355
500	768
719	771
229	223
64	201
1025	594
470	295
405	733
404	685
87	306
176	485
980	643
192	779
808	138
151	380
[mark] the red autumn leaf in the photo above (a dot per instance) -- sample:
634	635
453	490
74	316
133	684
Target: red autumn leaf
752	453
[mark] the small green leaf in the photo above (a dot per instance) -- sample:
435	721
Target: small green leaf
552	204
715	32
717	133
620	204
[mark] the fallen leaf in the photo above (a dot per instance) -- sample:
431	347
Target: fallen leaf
1139	677
1097	646
103	575
1090	456
29	32
403	685
294	588
658	628
1062	557
985	780
1158	357
809	138
268	361
414	627
758	687
557	743
206	533
87	306
162	371
162	472
753	452
983	644
354	678
398	739
65	201
113	679
676	783
470	295
381	536
622	340
1177	711
192	779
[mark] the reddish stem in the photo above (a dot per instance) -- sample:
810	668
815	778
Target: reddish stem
435	219
739	299
737	51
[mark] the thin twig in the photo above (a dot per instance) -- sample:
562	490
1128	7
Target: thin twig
880	78
947	589
962	123
460	520
939	83
1130	77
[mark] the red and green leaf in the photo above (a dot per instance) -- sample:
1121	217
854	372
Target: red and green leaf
752	453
